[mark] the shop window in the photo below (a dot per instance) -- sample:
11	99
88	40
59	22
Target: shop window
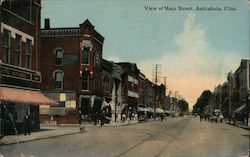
85	81
58	79
28	57
59	56
85	56
6	46
18	50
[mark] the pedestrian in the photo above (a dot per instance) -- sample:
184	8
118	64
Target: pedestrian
162	117
123	117
221	118
95	117
102	117
201	117
27	124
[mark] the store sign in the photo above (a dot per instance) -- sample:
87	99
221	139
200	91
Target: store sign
20	74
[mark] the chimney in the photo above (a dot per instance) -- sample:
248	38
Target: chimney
46	23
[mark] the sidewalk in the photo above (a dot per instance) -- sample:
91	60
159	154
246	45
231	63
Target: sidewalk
237	124
58	130
45	132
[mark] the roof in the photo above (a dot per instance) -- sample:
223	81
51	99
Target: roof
70	31
25	97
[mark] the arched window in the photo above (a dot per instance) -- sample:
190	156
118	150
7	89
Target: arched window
58	76
59	56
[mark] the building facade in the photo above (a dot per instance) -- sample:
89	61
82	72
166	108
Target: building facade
20	77
149	94
72	60
117	102
141	88
232	96
130	87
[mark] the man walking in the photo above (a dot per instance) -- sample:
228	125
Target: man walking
27	124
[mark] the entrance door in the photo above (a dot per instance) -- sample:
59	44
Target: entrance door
85	109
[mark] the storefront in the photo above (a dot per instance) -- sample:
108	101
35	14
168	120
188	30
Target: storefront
19	95
15	104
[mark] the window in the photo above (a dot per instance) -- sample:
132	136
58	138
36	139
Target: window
85	56
59	56
18	49
28	54
6	46
58	79
85	81
22	8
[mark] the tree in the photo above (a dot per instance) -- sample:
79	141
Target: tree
183	105
202	102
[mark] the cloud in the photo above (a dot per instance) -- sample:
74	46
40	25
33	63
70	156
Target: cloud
195	65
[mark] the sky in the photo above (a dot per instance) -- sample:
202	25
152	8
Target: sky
195	48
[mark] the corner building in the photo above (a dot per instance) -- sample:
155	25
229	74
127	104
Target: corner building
20	76
72	72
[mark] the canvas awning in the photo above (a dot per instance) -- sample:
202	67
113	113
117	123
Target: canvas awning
142	109
159	110
240	109
26	97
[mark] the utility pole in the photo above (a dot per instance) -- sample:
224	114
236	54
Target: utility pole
165	85
156	75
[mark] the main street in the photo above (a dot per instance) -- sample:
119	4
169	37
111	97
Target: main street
174	137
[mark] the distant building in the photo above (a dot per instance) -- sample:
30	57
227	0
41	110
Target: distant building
72	60
117	101
149	94
231	97
20	77
141	88
131	87
241	88
160	96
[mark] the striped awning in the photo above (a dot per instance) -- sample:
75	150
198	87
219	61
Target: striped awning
25	97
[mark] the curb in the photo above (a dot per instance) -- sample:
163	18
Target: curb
238	126
41	138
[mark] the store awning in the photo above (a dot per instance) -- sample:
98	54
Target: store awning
26	97
240	109
159	110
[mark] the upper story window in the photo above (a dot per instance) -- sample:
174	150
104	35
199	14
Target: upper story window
6	46
106	83
85	55
85	81
59	56
28	58
22	8
58	79
18	50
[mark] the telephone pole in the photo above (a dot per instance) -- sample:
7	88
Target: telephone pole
156	75
165	99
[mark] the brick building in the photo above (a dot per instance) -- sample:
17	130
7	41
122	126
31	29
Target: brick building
72	70
149	93
20	77
130	86
141	88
